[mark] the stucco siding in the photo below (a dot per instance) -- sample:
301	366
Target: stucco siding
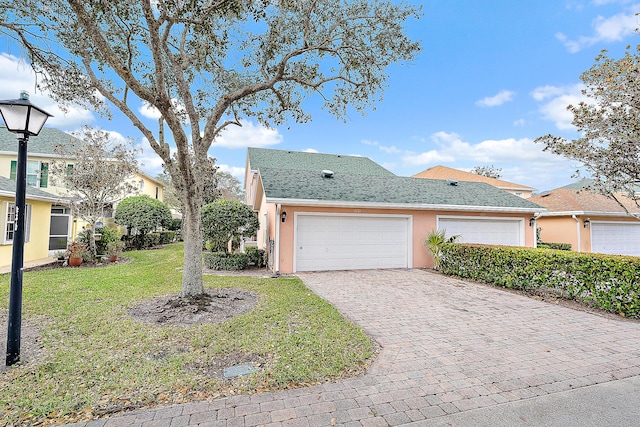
38	245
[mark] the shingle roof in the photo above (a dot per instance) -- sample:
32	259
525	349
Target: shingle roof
443	172
8	188
44	143
290	175
295	160
576	198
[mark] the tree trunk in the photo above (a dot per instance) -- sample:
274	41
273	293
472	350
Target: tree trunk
192	236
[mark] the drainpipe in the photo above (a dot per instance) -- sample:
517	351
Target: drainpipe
277	243
577	231
535	228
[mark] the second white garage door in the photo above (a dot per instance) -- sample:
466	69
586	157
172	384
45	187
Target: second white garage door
488	231
619	238
348	242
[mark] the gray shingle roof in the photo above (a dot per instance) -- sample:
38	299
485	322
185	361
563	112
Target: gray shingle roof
8	186
294	175
260	158
44	143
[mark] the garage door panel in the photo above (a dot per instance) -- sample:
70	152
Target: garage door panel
618	238
351	242
488	231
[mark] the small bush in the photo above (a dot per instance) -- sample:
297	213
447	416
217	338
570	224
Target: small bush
167	237
226	261
256	256
609	282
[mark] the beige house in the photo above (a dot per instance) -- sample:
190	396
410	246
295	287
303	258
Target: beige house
443	172
334	212
37	222
62	225
589	221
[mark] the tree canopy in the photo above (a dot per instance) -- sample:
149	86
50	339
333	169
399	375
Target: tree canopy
224	220
609	125
92	169
488	171
205	65
142	214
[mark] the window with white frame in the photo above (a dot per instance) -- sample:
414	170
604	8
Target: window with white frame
10	218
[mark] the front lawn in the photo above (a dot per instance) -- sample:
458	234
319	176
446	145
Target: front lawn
98	360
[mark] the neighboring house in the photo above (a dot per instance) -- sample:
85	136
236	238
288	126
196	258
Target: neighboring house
334	212
443	172
36	222
41	152
589	221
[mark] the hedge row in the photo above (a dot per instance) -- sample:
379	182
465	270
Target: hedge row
226	261
559	246
609	282
149	240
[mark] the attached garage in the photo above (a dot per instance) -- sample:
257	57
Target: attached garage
488	231
348	242
619	238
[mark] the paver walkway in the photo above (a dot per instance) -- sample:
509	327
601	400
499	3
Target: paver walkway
447	346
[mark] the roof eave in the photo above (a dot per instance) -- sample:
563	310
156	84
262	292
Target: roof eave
31	197
589	213
411	206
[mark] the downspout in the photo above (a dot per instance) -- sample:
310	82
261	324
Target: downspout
535	228
577	231
277	243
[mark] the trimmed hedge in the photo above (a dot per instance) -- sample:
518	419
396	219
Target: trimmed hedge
226	261
256	256
610	282
558	246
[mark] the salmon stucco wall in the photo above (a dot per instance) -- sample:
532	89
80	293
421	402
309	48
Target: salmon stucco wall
38	245
422	223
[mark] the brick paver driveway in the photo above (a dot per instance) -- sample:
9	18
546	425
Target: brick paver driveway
447	346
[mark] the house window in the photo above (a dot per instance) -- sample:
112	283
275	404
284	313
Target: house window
519	195
157	191
37	173
141	184
10	223
107	211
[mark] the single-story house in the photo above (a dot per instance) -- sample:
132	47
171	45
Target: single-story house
443	172
334	212
37	222
589	221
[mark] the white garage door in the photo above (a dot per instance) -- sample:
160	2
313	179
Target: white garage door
615	238
488	231
339	242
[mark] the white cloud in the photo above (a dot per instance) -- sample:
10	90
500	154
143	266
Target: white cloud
150	162
498	99
519	122
236	171
609	29
389	150
16	75
554	101
248	135
310	150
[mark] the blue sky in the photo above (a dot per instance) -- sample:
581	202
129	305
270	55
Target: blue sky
493	75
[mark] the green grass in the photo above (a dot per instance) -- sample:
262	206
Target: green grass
99	359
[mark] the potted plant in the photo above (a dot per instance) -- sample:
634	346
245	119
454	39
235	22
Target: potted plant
75	253
114	249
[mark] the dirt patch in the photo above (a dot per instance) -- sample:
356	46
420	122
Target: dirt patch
214	306
31	346
215	368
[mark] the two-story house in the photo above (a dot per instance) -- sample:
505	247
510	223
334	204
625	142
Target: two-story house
62	226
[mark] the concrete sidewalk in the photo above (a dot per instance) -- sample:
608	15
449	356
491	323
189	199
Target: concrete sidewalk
453	353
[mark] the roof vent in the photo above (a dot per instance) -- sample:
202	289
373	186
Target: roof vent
452	182
326	173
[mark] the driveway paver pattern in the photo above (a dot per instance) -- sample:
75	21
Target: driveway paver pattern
447	346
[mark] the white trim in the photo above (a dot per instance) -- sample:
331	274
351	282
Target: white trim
409	219
588	213
488	218
276	250
404	206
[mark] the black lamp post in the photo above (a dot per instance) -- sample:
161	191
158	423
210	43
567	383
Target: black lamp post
23	119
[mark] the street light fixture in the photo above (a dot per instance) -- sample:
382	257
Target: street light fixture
25	120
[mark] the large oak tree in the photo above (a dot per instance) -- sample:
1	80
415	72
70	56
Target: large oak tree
207	64
609	126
